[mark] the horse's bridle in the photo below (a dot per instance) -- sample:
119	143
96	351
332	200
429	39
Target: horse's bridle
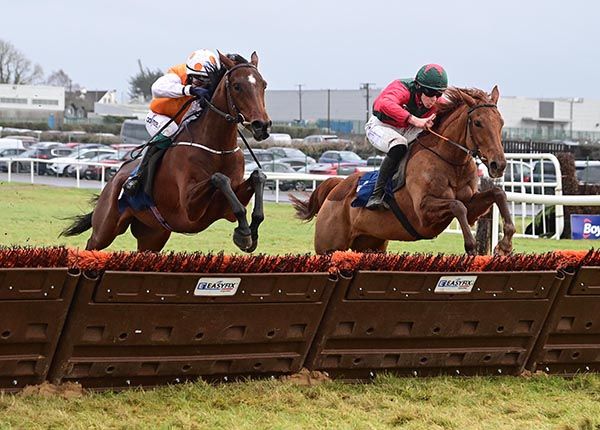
238	117
472	152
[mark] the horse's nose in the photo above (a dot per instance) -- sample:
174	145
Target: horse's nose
260	129
496	168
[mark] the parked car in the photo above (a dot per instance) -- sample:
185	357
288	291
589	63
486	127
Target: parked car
279	139
115	160
11	143
588	172
6	154
278	167
339	157
261	155
323	138
545	171
294	157
42	151
64	165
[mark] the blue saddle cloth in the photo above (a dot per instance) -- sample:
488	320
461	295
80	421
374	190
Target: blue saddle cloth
366	185
139	202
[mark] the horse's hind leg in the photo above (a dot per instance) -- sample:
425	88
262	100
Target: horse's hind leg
149	239
107	224
241	234
368	243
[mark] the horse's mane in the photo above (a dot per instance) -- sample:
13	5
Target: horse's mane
453	99
215	75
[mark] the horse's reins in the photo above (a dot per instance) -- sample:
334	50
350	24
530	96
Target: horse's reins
237	119
472	152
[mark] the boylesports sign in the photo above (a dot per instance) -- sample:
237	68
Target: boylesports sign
585	227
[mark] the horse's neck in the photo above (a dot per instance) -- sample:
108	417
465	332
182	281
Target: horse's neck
212	130
455	129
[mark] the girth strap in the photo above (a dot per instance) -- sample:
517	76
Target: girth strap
391	201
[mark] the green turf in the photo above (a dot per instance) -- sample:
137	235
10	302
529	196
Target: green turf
32	215
35	215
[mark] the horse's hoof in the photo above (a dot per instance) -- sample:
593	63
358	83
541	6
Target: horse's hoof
253	246
242	241
503	251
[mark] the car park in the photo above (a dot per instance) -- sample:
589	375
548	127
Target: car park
42	151
322	138
262	155
339	157
588	172
284	184
66	165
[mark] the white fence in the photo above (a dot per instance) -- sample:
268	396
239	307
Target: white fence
531	191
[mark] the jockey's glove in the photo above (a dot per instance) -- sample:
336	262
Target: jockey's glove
199	92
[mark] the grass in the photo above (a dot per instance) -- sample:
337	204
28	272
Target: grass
435	403
33	215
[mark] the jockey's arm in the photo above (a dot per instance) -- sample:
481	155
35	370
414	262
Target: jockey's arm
169	85
391	103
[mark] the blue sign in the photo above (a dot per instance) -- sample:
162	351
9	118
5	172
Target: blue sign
585	226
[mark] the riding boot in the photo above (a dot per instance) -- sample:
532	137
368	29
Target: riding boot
386	171
133	183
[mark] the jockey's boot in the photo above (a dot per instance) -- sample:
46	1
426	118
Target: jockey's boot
386	171
133	183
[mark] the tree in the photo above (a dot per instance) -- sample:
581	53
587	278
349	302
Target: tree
140	85
15	68
61	79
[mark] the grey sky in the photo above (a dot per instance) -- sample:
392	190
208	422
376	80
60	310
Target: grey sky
528	48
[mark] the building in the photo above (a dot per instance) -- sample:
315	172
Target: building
32	103
78	104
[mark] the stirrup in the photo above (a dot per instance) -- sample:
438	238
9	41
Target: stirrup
377	203
131	186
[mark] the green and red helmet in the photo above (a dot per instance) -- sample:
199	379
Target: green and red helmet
432	76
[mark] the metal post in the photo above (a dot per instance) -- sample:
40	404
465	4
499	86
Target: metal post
300	102
366	86
328	111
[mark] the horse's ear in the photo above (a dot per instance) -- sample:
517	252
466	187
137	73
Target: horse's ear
254	59
226	62
495	95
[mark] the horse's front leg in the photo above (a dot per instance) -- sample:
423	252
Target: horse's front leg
241	234
480	203
435	210
258	179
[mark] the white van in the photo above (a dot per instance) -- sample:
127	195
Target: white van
11	143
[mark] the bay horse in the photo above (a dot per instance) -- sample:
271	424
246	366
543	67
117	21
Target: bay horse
441	184
200	178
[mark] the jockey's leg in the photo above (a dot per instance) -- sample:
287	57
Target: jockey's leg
154	124
434	210
480	203
386	171
394	143
241	234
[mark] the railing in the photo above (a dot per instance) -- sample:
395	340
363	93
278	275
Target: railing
532	199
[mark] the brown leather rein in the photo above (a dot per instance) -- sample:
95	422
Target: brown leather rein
472	152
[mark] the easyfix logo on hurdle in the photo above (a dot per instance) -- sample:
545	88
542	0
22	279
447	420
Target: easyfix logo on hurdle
217	286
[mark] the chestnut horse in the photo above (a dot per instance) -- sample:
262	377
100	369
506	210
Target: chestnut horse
200	178
441	184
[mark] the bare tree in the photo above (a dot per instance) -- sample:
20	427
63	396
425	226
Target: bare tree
15	68
61	79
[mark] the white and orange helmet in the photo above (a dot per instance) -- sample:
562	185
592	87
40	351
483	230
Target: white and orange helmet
199	60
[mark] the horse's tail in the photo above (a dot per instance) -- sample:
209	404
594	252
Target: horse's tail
80	223
308	209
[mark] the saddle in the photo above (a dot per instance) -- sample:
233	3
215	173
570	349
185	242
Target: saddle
399	179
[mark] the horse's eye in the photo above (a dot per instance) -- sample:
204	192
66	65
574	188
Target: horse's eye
237	87
478	123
